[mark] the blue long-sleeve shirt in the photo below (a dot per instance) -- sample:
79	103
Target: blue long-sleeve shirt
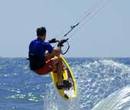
37	49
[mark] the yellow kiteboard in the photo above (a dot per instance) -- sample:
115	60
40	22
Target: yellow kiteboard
68	75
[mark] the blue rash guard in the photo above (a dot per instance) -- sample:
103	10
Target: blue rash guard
37	49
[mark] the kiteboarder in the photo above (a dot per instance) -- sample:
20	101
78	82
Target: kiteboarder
43	58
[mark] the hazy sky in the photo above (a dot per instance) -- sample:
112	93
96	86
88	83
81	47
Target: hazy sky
105	35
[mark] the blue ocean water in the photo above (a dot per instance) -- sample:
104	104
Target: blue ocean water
103	84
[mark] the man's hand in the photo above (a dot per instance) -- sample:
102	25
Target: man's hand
57	51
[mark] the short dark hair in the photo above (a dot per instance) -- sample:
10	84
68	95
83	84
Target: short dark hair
41	31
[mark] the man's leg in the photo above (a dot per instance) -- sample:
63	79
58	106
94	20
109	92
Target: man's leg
58	68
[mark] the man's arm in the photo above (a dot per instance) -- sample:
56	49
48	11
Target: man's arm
52	51
55	52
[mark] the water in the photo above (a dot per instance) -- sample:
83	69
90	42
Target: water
103	84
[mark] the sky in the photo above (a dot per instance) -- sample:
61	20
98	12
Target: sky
106	34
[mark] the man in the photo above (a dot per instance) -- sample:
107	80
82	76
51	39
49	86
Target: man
42	54
43	57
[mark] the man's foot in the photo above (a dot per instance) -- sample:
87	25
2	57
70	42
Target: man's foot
67	84
59	86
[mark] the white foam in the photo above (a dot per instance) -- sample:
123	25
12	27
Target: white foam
70	92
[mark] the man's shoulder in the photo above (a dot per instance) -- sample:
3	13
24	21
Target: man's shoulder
40	42
47	45
34	40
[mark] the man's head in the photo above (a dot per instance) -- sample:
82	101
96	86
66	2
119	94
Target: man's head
41	33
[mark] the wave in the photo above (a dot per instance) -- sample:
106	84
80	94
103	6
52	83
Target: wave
99	78
119	100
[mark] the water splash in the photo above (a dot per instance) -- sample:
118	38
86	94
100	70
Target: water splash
53	101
